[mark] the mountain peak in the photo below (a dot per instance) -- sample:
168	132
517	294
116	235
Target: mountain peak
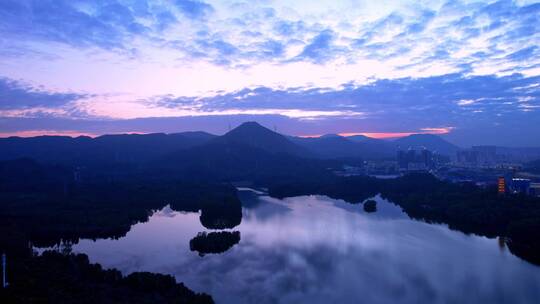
423	135
253	134
359	138
250	124
249	128
429	141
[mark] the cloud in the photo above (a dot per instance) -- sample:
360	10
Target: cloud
272	49
17	95
417	103
164	19
289	28
61	21
465	102
387	69
389	105
431	101
523	54
320	47
421	24
193	8
283	33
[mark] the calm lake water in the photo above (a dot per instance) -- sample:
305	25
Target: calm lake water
313	249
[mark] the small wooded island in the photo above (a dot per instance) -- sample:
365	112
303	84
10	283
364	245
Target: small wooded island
370	206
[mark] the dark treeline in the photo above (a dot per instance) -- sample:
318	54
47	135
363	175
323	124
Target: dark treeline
100	151
463	207
46	205
59	278
50	206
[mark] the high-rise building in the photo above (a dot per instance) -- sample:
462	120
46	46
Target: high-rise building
467	157
427	158
501	185
487	155
402	159
415	160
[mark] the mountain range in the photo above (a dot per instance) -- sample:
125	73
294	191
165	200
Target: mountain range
103	149
147	147
248	152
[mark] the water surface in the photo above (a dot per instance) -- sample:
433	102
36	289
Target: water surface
313	249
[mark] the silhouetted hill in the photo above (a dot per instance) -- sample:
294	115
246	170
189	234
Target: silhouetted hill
254	135
248	152
359	138
104	149
341	147
330	136
429	141
232	160
249	144
25	174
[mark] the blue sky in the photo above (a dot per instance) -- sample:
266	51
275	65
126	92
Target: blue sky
467	69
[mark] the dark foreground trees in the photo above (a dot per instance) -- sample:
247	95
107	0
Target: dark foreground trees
57	278
44	206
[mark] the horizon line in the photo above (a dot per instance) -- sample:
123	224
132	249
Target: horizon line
75	134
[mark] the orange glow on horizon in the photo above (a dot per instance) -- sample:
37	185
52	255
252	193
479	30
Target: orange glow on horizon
73	133
380	135
389	135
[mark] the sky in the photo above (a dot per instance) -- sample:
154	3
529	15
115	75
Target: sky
466	70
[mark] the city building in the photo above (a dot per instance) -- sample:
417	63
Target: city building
486	155
479	156
501	185
520	185
535	189
467	158
381	167
415	160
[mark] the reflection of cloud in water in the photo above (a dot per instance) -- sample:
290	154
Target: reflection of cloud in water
312	251
267	208
167	211
386	210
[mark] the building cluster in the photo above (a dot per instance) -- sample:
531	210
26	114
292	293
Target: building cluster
415	160
486	157
510	185
478	156
480	165
381	167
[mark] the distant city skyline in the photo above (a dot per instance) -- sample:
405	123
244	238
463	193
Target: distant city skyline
466	70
